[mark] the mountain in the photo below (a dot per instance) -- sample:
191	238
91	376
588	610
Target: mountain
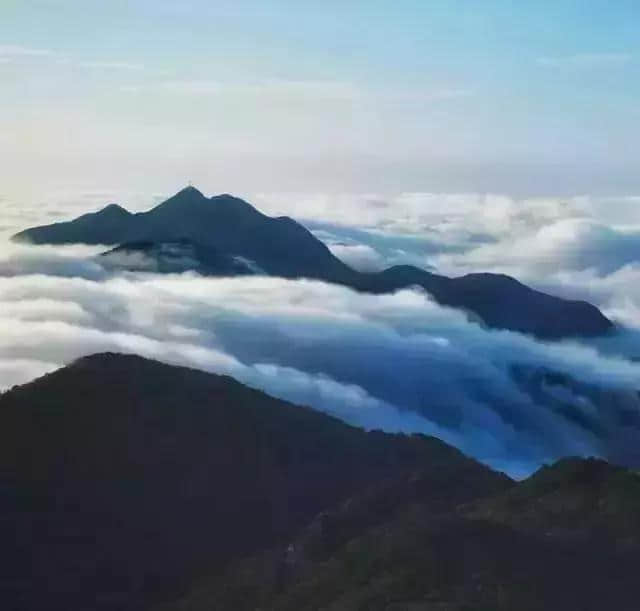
93	228
573	497
124	480
127	484
281	247
565	539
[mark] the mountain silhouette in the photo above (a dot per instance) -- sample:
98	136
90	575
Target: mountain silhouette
122	479
566	538
232	228
127	484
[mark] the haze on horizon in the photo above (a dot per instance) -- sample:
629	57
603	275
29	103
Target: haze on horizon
525	99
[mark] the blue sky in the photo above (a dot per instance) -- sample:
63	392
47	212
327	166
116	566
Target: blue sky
510	97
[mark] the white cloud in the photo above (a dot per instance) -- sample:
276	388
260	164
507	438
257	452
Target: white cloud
415	365
577	247
359	256
397	362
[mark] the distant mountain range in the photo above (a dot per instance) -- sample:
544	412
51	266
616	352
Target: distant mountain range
127	484
224	235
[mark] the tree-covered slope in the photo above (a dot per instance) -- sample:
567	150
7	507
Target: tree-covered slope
123	480
565	539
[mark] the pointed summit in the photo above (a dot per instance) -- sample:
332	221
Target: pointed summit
114	210
188	192
190	189
185	201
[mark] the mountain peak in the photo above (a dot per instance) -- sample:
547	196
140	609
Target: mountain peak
190	201
190	190
114	209
135	463
191	193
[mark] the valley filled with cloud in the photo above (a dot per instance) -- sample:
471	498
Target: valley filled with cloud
396	362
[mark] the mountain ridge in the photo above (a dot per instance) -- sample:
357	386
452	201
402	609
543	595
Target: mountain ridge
151	486
123	479
280	246
399	547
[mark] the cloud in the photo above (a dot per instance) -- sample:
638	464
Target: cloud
445	218
586	60
70	261
134	261
397	362
359	256
572	244
577	247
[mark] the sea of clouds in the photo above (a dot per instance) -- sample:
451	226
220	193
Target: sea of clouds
580	247
396	362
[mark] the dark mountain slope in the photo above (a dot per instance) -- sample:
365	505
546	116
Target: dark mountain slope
110	225
498	300
573	497
176	256
282	247
410	549
122	479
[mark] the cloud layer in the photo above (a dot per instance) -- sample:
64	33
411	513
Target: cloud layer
396	362
578	247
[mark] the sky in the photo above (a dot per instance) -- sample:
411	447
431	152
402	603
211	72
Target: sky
523	99
456	136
